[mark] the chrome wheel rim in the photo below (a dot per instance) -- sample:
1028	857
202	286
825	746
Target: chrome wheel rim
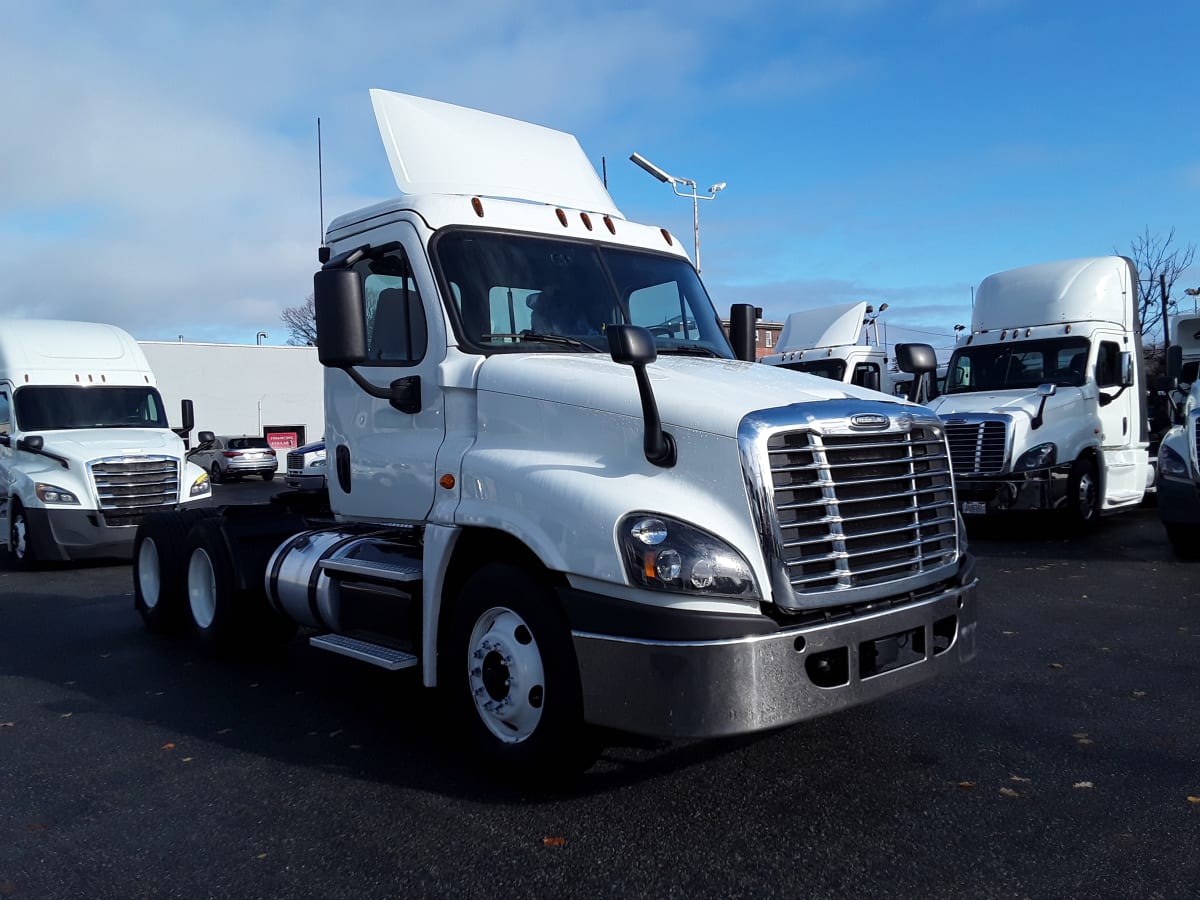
202	589
505	675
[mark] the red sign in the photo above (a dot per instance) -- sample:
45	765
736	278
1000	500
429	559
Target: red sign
283	440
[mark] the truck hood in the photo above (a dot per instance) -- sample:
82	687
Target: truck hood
1015	402
711	395
93	443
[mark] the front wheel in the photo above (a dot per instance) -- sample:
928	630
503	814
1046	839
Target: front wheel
20	538
509	665
1083	493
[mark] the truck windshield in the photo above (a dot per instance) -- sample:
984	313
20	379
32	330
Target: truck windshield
829	367
45	408
1027	364
528	293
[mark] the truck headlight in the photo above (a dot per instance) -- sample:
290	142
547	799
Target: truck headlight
52	493
1170	463
665	554
201	486
1040	457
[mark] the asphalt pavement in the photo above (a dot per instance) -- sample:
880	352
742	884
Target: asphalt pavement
1062	762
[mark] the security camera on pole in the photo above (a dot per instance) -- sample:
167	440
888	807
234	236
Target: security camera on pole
675	183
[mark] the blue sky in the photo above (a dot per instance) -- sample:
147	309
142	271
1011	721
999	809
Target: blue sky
158	161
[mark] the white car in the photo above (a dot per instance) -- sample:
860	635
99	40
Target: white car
306	467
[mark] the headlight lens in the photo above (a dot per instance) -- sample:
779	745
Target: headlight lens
665	554
1170	463
201	486
317	462
51	493
1039	457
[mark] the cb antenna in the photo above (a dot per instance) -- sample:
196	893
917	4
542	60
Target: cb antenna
322	251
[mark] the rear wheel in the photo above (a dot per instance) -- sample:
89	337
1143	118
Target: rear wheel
221	616
215	474
160	568
268	476
510	667
1083	493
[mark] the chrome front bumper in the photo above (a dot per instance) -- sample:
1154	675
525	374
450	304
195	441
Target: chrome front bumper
739	685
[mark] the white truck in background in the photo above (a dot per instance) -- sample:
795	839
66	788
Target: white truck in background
838	342
1178	486
1045	401
556	491
85	448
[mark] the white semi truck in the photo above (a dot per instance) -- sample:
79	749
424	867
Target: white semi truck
838	342
1178	486
555	491
85	448
1045	400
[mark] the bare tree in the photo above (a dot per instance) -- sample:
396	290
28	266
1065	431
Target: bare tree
1158	263
301	323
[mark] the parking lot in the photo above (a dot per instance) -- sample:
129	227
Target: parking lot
1062	762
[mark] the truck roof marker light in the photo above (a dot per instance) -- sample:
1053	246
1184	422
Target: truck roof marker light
562	217
1028	332
612	228
587	220
477	205
667	237
1068	329
1004	334
447	481
77	378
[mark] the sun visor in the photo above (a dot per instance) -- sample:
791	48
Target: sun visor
827	326
439	148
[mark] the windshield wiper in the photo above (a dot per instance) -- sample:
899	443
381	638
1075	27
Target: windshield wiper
535	337
689	349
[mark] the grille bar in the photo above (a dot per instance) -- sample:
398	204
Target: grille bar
130	487
977	448
857	511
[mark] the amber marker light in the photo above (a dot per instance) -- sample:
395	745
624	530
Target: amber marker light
477	205
447	481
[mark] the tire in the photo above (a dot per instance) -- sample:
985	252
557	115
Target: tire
1185	540
268	476
20	542
215	474
220	617
1083	494
160	568
509	665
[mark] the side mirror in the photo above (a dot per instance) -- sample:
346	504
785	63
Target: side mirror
1126	369
916	358
34	443
1174	360
341	321
633	345
742	319
206	437
187	415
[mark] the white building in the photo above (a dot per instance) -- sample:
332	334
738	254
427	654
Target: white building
243	388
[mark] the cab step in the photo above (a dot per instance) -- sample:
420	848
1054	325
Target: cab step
376	654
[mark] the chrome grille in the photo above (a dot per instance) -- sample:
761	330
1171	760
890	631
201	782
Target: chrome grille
857	510
295	461
977	448
131	487
1196	441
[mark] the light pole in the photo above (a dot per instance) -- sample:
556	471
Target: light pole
1193	293
258	338
958	330
695	196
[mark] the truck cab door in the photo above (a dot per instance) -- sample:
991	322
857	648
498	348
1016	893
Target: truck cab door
381	454
1121	421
